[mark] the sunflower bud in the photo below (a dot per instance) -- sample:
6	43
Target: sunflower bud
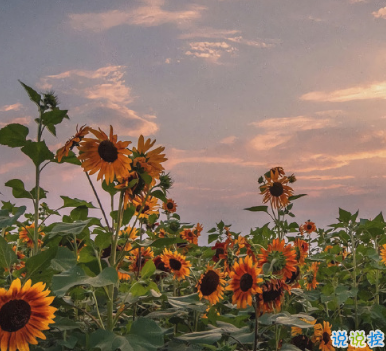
50	100
292	178
166	181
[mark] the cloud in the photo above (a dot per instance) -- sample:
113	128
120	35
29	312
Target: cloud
14	107
103	92
258	44
278	131
228	140
207	32
147	15
211	51
19	120
324	177
363	92
381	13
6	167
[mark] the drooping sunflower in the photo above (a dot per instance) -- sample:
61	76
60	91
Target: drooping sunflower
131	185
302	342
284	256
211	285
294	280
170	206
176	263
149	161
310	276
276	191
71	143
129	233
326	341
150	206
307	227
301	248
136	264
24	313
105	155
27	233
383	253
272	294
244	282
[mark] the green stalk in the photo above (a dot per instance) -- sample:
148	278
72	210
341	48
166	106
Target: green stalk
256	340
354	277
97	309
376	301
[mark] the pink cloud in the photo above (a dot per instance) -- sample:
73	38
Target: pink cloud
381	13
14	107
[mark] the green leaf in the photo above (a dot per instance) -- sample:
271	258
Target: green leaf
159	195
148	269
6	221
61	283
212	237
63	323
146	178
344	216
7	256
103	240
33	95
109	188
64	260
64	229
18	189
54	117
37	151
165	242
257	209
69	202
204	337
36	265
13	135
291	198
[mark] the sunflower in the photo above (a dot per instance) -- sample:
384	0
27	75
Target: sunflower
148	208
129	233
130	185
74	141
326	341
342	253
307	227
26	235
301	248
122	275
294	280
24	313
244	282
302	342
106	155
284	256
310	277
161	233
298	331
272	294
176	263
149	161
170	206
383	253
276	191
353	348
221	251
188	235
146	255
211	285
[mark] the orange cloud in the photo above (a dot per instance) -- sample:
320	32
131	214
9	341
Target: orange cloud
364	92
14	107
381	13
209	50
6	167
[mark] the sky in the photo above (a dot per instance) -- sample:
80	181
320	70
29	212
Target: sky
231	88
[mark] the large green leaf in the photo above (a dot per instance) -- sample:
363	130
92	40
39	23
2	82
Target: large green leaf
69	202
7	256
257	209
6	221
159	194
18	190
61	283
148	269
13	135
64	229
33	95
64	260
37	151
203	337
166	242
294	197
54	117
36	265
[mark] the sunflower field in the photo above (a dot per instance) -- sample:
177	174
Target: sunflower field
133	278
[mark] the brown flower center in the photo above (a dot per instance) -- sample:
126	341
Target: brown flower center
175	264
276	189
107	151
246	282
271	295
309	226
209	283
326	338
219	252
14	315
146	208
170	205
302	342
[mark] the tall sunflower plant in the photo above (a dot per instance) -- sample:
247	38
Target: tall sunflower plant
132	275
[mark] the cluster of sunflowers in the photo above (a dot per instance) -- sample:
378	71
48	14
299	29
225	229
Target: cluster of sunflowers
153	268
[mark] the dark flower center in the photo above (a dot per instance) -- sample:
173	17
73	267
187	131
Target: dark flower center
219	252
146	208
246	282
326	338
271	295
302	342
175	264
309	226
276	189
209	283
14	315
170	205
107	151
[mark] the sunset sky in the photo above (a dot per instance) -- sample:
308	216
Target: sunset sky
231	88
